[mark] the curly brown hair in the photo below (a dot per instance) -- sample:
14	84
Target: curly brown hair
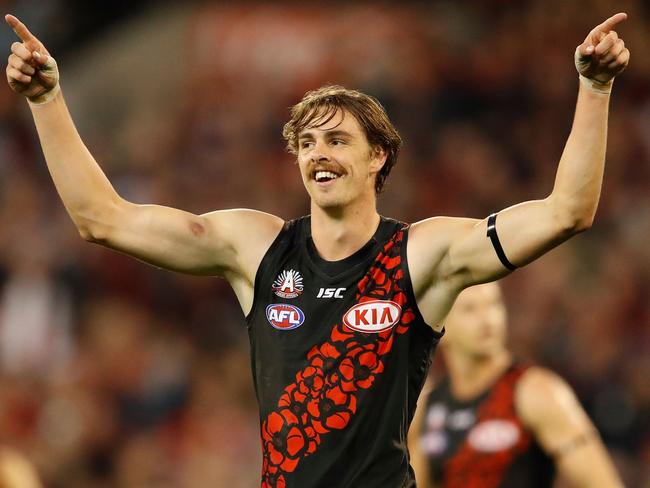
318	107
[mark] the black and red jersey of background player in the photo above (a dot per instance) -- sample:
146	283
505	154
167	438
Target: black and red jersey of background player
482	443
339	354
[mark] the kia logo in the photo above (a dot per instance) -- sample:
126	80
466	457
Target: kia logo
373	316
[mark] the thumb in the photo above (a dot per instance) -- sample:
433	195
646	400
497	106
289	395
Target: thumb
47	70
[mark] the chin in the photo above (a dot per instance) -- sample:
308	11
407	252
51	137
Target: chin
329	201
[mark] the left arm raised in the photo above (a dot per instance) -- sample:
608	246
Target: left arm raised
528	230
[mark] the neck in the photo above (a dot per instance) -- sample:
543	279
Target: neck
339	233
471	375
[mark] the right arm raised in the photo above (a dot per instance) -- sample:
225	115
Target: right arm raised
166	237
224	243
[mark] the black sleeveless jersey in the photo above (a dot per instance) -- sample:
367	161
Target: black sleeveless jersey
339	354
482	443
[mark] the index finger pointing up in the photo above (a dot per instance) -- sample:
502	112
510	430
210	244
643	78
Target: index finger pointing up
610	23
19	28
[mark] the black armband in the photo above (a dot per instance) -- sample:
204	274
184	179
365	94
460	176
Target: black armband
492	234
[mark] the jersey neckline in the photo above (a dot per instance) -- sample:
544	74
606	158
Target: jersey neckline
340	269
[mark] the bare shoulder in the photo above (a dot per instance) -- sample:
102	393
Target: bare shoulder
430	264
248	232
246	222
549	408
435	281
543	395
440	228
430	238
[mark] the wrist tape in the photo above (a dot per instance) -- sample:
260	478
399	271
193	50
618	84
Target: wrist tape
597	86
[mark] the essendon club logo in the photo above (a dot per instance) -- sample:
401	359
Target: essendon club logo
494	435
373	316
288	284
283	316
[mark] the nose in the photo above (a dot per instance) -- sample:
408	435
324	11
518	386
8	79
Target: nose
319	153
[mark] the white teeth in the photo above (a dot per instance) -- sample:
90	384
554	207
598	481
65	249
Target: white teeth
321	175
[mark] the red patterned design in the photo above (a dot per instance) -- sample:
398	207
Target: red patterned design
323	396
469	468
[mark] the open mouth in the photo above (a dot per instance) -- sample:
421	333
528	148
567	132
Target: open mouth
322	176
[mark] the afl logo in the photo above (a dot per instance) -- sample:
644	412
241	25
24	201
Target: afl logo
373	316
283	316
288	284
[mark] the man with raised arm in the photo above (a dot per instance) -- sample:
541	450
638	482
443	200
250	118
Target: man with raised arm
343	305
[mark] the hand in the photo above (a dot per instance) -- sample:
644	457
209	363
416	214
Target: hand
603	54
31	71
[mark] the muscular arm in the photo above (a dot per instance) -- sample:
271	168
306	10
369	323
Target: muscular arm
166	237
549	408
530	229
451	254
226	243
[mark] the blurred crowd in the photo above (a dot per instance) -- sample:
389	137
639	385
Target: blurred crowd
116	374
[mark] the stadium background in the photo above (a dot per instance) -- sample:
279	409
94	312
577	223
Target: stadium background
115	374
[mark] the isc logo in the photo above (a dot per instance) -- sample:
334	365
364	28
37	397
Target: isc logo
283	316
330	293
373	316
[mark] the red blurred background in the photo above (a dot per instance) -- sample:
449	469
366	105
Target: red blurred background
116	374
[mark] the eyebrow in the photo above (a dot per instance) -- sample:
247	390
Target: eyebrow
328	133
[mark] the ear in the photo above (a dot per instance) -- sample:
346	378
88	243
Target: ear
378	159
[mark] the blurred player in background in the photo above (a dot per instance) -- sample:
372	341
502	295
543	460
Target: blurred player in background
341	327
16	471
494	423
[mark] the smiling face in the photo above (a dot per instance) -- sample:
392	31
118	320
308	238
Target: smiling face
357	115
476	324
337	163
